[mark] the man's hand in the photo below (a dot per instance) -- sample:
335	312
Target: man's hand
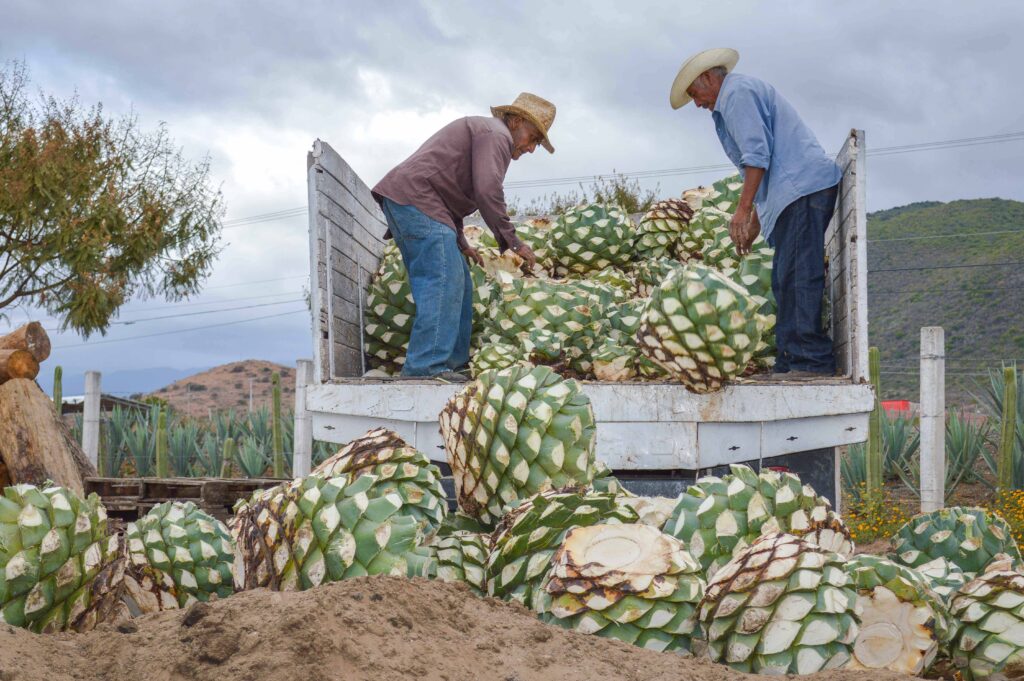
743	229
753	230
473	255
738	224
527	254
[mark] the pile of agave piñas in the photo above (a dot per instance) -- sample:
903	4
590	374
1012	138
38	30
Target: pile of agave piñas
752	569
666	299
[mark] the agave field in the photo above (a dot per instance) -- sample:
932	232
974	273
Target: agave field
195	447
753	570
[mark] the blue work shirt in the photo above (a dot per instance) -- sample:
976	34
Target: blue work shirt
760	129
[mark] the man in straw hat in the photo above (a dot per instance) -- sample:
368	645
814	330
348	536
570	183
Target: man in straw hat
789	193
456	172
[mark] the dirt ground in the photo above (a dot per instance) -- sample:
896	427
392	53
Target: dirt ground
379	628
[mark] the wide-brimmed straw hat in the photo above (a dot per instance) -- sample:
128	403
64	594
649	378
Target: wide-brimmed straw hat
696	65
537	110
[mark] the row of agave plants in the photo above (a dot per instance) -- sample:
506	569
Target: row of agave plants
969	452
971	443
195	447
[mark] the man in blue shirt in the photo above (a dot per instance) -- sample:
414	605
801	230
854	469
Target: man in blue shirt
789	194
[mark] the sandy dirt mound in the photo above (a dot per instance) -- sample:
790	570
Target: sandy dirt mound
375	628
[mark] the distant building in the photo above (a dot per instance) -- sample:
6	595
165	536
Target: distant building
75	404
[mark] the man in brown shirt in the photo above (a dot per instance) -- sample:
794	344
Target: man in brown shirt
459	170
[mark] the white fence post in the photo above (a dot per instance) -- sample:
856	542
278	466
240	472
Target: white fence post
302	441
91	417
933	419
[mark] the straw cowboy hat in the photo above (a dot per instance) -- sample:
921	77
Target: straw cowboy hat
535	109
696	65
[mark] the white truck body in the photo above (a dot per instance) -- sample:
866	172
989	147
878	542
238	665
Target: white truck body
642	426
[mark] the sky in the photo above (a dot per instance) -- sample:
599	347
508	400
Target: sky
252	84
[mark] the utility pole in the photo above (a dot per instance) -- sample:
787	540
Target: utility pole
250	394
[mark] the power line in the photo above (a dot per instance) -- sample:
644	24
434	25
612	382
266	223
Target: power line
285	214
946	267
638	174
689	170
1011	360
220	300
193	314
173	306
918	373
880	151
255	281
898	292
168	333
947	144
946	236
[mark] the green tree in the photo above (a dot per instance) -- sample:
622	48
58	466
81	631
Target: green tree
94	211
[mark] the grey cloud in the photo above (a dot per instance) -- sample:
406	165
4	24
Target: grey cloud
906	72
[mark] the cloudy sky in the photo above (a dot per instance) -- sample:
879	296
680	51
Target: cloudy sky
253	84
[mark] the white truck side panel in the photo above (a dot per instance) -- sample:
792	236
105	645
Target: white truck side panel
640	427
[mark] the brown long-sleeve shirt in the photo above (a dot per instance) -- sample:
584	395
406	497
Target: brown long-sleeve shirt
459	170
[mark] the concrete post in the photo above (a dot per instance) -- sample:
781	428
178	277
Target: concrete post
933	419
91	417
302	440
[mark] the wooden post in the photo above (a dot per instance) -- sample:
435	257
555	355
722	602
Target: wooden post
933	419
163	467
277	436
303	435
1008	430
875	456
91	417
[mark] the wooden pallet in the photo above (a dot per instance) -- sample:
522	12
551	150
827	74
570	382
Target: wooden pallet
130	498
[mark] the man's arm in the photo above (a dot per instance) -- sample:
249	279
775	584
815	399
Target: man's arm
491	157
746	119
745	226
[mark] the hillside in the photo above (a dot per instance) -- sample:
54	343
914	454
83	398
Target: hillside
980	306
227	387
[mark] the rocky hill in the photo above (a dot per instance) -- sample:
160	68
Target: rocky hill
228	387
956	277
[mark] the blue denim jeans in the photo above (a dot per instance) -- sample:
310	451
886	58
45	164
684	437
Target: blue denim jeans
441	288
798	282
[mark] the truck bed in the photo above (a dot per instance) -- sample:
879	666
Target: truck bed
642	425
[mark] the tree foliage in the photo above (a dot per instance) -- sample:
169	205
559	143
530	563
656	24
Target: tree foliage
618	189
94	211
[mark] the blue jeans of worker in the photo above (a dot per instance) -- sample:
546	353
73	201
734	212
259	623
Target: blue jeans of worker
798	282
441	288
